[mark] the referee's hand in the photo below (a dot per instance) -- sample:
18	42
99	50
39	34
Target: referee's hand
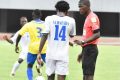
78	42
80	57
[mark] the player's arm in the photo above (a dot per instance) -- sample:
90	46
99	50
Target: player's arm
12	38
9	40
21	32
17	41
42	42
5	37
45	33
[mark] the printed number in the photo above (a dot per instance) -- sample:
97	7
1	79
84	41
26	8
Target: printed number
39	32
60	33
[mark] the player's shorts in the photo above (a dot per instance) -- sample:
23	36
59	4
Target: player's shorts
56	67
90	53
23	54
43	56
31	58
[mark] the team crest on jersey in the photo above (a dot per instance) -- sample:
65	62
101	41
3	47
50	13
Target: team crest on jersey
93	19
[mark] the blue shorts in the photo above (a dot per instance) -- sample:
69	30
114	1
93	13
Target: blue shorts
43	56
31	58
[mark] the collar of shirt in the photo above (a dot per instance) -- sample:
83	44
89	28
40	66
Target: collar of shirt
38	20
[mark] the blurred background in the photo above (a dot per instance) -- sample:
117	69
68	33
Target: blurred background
108	12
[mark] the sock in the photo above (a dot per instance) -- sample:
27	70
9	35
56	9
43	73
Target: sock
15	67
29	73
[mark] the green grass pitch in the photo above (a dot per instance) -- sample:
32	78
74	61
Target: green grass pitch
107	66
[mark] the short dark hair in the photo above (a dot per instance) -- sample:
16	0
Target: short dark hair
85	2
62	6
37	12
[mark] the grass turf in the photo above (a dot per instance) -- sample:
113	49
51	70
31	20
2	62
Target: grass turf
107	66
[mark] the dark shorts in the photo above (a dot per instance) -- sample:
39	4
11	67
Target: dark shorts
31	58
90	53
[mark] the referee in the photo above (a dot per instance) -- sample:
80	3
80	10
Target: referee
91	34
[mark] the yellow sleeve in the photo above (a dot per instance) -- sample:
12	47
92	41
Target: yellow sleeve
24	29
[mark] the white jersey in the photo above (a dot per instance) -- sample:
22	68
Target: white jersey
59	29
24	41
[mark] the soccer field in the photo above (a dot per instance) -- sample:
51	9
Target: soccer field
108	63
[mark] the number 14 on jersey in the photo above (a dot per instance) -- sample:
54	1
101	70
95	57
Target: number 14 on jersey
60	33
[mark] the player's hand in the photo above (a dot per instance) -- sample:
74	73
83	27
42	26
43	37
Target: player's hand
39	61
80	57
71	44
71	41
17	49
42	63
78	42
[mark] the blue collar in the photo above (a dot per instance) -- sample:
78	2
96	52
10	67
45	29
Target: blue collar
37	20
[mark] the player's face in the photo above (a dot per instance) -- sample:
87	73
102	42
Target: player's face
83	9
23	21
33	15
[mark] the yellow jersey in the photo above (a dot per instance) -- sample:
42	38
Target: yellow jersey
35	27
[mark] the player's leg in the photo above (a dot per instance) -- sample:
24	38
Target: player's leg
89	62
61	77
50	69
21	58
16	66
51	77
88	77
61	69
30	61
38	66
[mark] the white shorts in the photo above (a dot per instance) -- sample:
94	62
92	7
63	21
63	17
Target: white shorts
56	67
23	55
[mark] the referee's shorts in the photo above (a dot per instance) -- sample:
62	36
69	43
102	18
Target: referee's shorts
90	53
